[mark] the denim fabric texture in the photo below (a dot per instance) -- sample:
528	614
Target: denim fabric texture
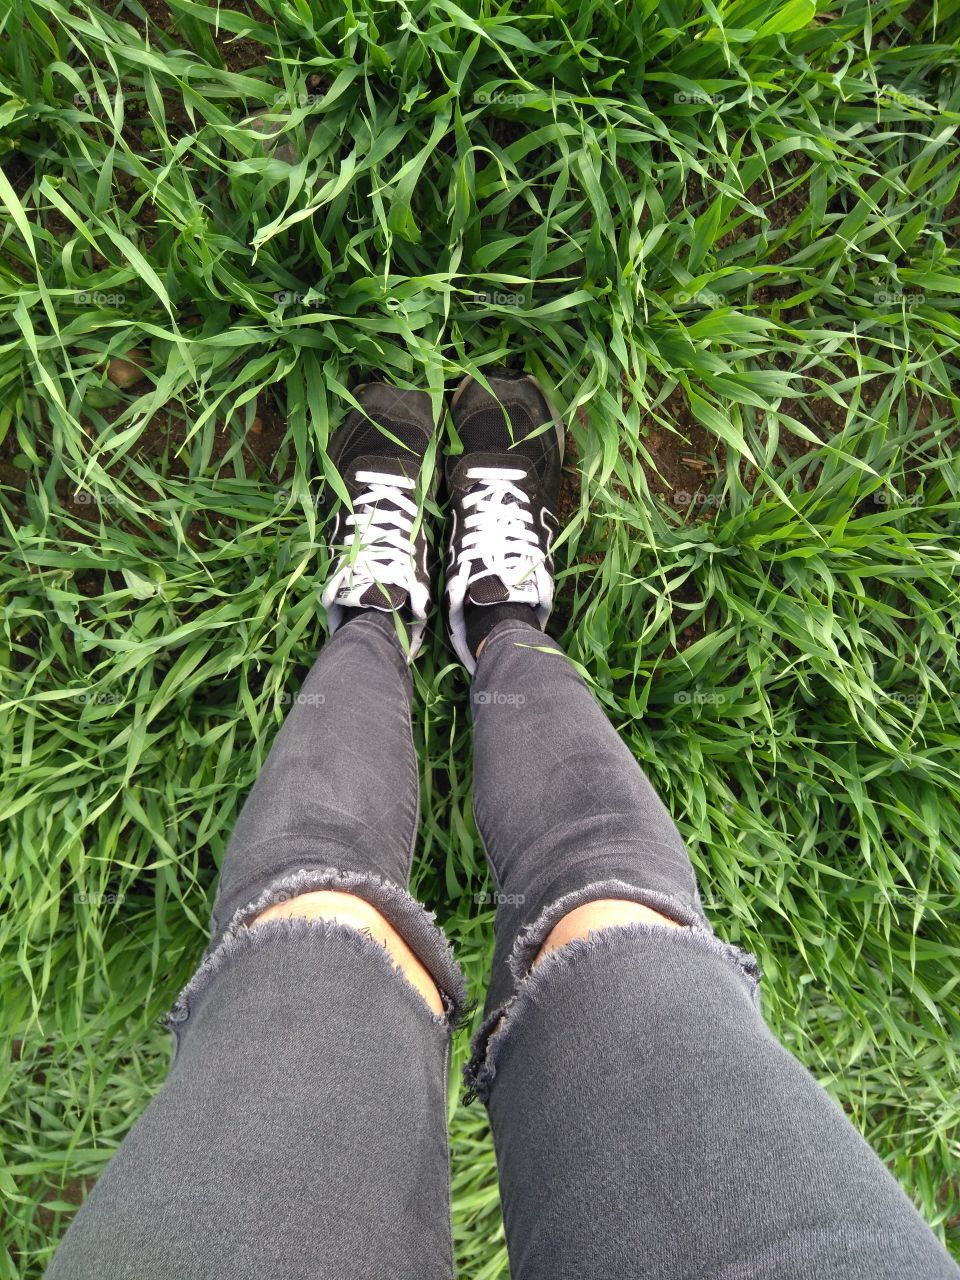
648	1126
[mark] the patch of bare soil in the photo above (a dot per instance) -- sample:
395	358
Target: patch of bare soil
685	461
239	53
73	1192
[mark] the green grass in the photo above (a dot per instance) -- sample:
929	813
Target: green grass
725	236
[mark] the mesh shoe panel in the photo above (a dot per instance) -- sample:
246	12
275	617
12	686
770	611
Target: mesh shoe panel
488	590
489	430
386	596
370	439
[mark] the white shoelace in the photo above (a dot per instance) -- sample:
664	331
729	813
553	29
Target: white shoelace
379	548
499	535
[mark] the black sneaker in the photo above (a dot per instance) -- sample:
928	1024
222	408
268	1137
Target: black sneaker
503	489
381	543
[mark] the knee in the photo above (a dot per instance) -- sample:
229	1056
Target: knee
604	913
347	909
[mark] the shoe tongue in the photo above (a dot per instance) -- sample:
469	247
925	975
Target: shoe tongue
488	590
457	472
403	465
383	596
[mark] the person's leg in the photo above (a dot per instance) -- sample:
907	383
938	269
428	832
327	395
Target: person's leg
302	1129
646	1121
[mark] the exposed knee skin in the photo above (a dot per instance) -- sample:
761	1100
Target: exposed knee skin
604	913
329	904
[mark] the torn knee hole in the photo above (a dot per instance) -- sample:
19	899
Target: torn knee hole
602	913
323	904
357	913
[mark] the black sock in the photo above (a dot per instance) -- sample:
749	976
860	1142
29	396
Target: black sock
480	620
350	612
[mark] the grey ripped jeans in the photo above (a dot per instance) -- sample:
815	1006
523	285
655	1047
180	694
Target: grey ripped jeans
646	1121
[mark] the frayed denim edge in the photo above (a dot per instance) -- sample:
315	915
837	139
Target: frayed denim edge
294	930
481	1068
412	921
534	935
